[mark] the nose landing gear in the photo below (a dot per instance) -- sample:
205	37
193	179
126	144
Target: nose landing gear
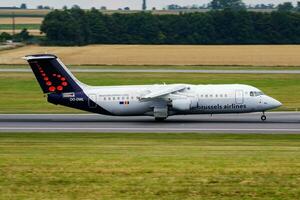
263	117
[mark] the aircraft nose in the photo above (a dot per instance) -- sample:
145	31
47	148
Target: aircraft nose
270	103
275	103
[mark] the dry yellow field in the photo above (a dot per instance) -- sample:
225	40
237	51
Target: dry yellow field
256	55
22	20
31	31
24	12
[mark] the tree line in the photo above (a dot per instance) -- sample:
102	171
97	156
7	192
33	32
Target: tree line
79	27
23	36
238	4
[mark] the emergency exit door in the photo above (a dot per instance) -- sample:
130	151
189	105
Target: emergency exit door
239	96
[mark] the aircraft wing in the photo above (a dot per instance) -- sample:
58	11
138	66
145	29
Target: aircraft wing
162	91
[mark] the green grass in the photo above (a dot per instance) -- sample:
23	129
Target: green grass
149	166
20	92
20	26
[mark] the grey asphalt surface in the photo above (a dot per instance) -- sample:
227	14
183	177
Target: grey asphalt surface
172	71
277	122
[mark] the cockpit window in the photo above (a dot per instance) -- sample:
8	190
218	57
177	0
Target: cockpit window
255	94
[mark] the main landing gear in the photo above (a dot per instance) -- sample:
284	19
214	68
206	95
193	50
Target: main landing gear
263	117
160	119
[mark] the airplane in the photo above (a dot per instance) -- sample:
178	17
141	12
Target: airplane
159	101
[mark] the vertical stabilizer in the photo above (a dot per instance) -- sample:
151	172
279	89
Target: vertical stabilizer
52	74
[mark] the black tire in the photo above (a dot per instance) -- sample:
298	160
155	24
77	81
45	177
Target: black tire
263	118
160	119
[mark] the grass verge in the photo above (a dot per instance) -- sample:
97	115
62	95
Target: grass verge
149	166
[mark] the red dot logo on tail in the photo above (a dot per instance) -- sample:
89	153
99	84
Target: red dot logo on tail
52	84
52	89
60	88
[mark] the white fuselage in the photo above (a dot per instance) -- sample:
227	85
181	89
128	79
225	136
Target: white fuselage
160	101
195	99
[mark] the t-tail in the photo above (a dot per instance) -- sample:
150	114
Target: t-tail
60	84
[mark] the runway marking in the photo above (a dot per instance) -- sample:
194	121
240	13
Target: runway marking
142	129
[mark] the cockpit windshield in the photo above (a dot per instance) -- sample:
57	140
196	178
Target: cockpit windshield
256	93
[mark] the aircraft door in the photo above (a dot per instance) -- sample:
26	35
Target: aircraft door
92	101
194	101
239	97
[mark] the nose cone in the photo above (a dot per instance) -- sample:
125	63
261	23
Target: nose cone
276	104
272	103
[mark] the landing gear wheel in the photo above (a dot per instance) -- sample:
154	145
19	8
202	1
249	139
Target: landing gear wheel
158	119
263	118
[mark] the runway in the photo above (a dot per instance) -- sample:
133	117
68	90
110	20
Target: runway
277	122
199	71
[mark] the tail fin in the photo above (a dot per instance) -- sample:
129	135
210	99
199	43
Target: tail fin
52	74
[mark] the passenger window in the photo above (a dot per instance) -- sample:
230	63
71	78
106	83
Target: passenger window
206	96
252	94
211	95
216	96
127	98
104	98
109	98
221	95
226	95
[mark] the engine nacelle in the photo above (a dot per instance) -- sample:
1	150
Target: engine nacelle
182	104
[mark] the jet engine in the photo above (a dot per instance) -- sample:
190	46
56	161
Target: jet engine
184	104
